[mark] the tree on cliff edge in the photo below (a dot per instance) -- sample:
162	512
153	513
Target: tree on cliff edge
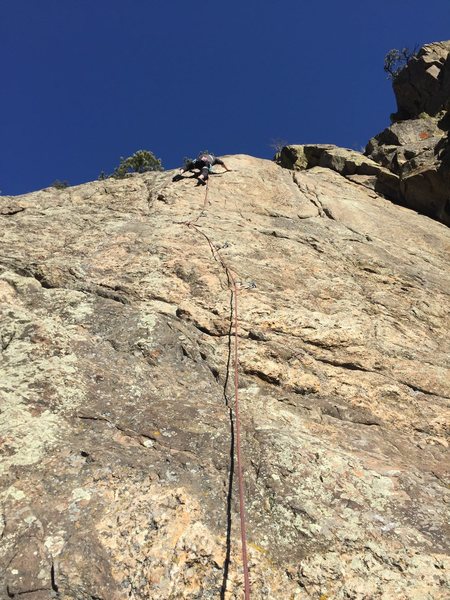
396	60
139	162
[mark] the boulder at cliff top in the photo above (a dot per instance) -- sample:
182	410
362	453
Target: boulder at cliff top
423	86
115	424
349	163
416	146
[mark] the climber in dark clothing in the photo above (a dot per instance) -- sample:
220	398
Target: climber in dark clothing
203	163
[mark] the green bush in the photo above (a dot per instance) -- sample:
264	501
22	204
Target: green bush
140	162
60	185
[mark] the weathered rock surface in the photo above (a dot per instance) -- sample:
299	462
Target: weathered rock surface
424	85
116	380
349	163
416	146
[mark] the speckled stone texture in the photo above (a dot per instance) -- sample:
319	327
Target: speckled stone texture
116	387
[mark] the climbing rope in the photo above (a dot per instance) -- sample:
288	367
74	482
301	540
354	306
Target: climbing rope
202	211
238	442
235	317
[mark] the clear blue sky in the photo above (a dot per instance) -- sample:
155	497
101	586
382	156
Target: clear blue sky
84	82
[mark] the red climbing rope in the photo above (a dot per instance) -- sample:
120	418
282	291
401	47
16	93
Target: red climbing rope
205	202
233	287
206	195
238	442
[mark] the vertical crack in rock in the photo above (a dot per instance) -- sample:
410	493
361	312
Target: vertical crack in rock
53	577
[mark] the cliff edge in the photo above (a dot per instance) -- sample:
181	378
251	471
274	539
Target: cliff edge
116	427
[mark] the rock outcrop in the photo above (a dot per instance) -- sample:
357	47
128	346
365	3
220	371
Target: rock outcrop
116	422
416	146
423	86
349	163
408	162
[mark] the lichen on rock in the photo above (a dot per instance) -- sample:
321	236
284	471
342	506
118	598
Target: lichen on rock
117	436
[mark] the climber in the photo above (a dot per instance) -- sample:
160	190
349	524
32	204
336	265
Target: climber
204	164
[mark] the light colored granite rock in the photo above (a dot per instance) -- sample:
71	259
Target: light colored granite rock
116	384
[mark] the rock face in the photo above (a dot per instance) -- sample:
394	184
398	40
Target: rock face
116	424
416	146
349	163
424	85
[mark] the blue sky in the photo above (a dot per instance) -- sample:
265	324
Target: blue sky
84	82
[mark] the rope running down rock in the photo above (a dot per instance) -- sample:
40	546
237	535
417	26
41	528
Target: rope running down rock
234	290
